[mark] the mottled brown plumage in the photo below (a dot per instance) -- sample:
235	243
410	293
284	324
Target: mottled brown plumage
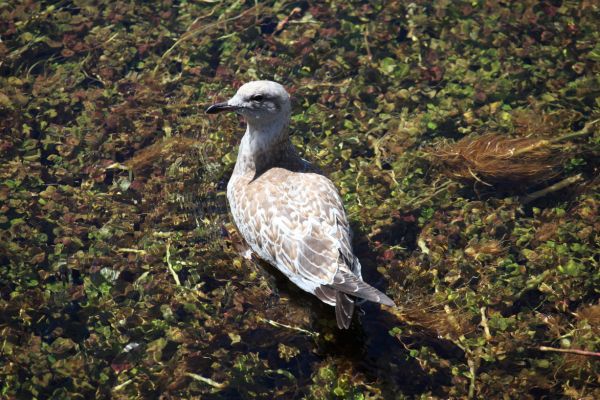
290	214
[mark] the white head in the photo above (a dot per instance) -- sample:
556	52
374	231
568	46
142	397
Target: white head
261	102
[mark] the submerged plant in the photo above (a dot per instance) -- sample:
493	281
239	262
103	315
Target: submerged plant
495	158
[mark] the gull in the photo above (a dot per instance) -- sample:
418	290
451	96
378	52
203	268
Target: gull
289	213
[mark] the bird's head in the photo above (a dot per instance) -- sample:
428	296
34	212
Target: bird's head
260	102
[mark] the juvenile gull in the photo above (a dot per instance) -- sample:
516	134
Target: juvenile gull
289	213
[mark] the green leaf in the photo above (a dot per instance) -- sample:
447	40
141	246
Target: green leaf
387	65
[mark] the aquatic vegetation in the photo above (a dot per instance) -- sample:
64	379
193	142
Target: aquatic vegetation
121	275
495	158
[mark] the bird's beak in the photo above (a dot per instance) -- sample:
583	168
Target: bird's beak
220	107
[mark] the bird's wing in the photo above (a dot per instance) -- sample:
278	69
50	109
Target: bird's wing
297	222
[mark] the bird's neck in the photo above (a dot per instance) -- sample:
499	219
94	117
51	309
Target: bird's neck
263	147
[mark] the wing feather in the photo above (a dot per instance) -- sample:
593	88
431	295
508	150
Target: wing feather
309	225
347	282
344	308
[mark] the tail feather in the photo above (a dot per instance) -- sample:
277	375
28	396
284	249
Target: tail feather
347	282
344	308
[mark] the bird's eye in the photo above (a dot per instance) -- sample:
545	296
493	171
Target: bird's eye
257	97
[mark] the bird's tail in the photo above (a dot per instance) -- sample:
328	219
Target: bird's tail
347	282
344	308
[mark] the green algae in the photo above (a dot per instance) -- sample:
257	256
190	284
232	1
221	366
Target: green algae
121	274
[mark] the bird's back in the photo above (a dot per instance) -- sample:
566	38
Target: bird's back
294	220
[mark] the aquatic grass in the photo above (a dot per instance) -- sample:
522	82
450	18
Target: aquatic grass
495	158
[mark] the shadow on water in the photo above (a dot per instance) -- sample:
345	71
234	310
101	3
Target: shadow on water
367	348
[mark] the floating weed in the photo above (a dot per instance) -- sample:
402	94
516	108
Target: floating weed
495	158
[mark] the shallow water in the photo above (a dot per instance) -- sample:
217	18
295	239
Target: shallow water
121	274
